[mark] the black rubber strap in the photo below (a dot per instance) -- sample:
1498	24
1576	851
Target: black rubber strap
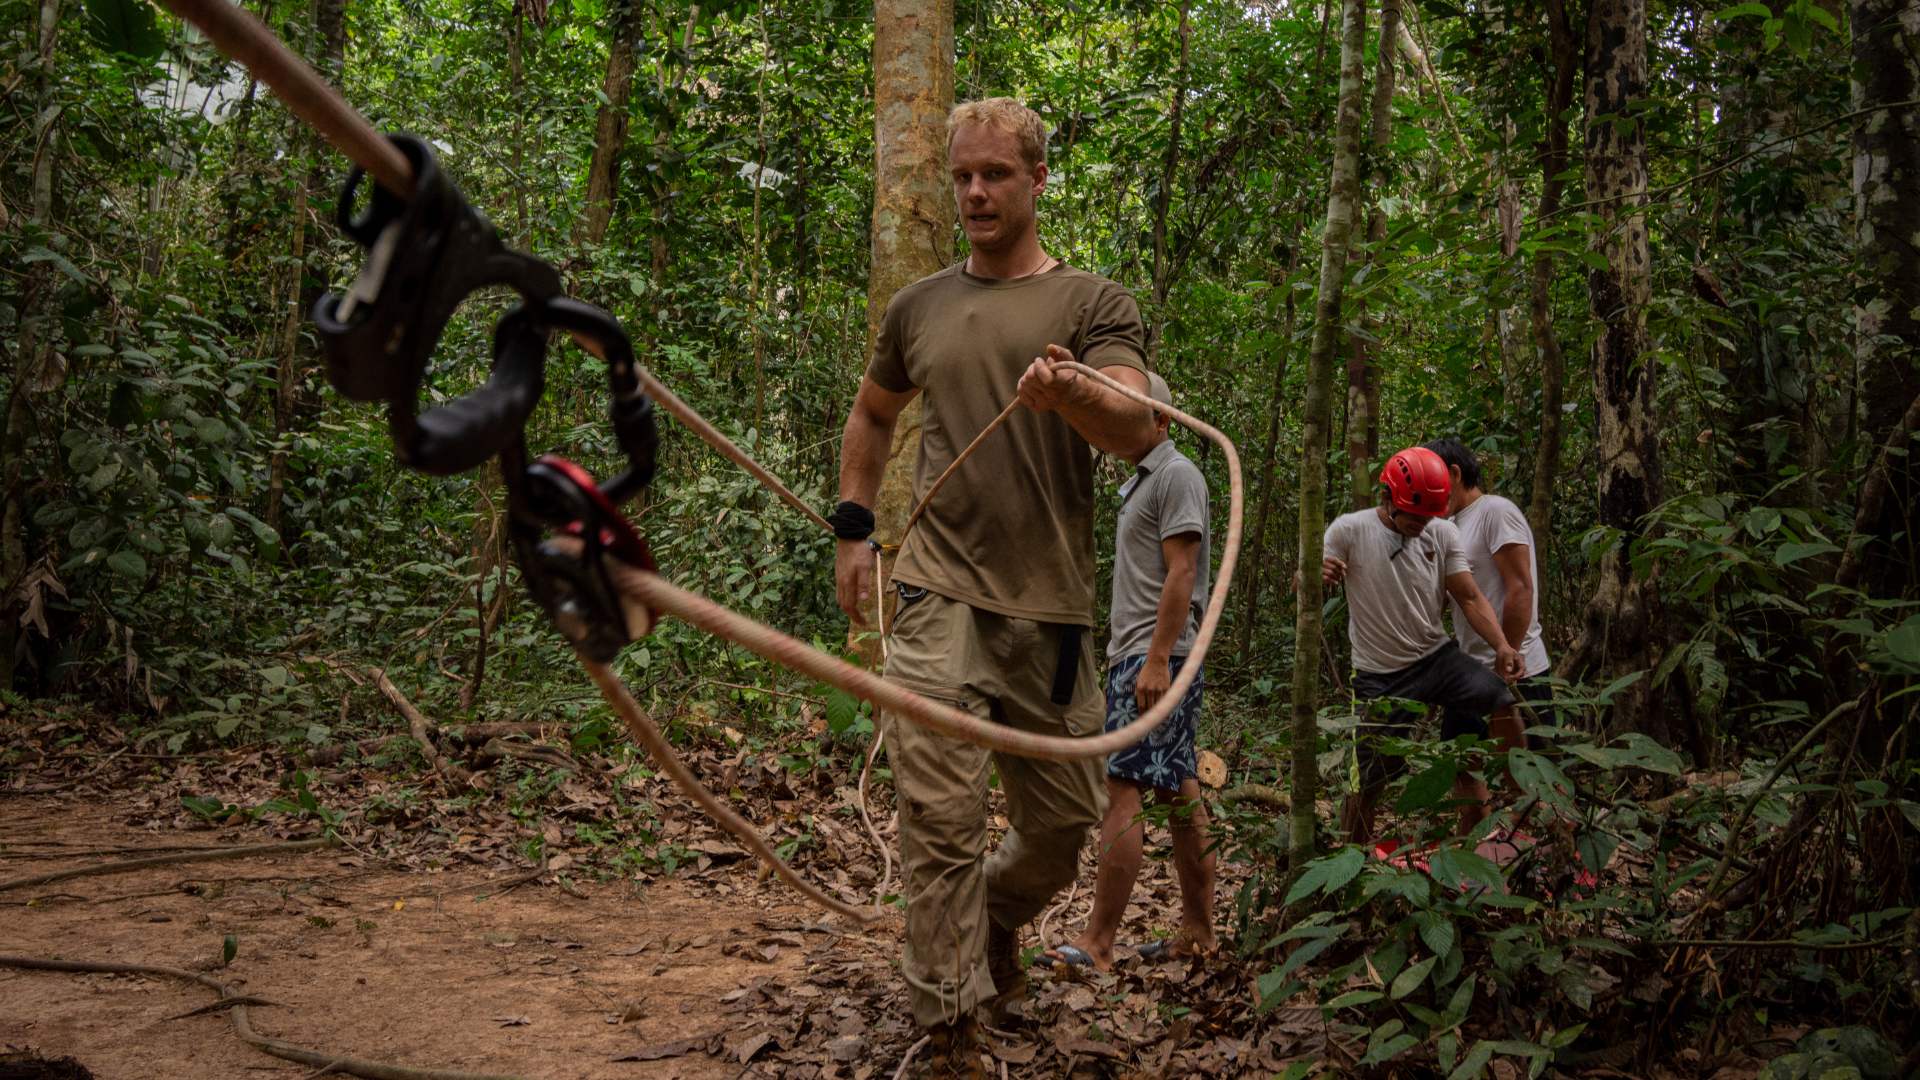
1066	668
851	521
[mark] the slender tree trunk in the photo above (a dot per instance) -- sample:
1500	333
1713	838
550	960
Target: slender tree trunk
754	304
610	124
913	214
1546	342
1342	196
330	27
1257	546
1363	381
1886	188
37	372
517	76
1620	633
1880	555
1163	199
286	380
489	524
662	187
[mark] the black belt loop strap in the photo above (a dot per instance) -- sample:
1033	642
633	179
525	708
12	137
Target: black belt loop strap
1066	668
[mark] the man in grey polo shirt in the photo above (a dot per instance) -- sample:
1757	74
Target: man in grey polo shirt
1160	577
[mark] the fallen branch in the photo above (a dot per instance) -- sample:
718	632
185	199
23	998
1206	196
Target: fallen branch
422	731
1786	943
908	1058
168	860
481	732
495	749
286	1051
1264	794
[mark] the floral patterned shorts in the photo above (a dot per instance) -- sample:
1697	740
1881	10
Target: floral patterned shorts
1165	757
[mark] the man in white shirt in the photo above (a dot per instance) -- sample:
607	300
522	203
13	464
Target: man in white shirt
1400	562
1506	566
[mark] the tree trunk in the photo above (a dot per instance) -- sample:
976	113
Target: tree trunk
1886	188
517	76
755	306
38	371
489	523
1342	196
286	381
1257	543
1363	382
664	121
330	26
1620	631
610	124
1163	200
1553	365
1881	553
913	214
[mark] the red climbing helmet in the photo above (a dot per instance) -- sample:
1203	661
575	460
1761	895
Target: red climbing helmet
1417	480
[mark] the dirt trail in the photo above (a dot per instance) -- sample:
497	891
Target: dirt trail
416	968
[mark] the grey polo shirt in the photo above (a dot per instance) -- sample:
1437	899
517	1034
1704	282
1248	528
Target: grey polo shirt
1166	497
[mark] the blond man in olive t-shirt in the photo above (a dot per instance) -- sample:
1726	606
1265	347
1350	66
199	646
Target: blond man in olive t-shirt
996	581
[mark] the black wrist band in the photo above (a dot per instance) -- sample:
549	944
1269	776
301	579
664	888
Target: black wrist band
851	521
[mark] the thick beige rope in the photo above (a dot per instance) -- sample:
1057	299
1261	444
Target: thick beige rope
657	593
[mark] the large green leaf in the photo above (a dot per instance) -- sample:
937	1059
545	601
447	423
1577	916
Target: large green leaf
1331	873
1903	641
1428	788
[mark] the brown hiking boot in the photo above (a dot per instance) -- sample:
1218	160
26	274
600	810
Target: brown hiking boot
1009	978
953	1052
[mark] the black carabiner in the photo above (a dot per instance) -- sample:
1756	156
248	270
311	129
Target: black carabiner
426	254
574	584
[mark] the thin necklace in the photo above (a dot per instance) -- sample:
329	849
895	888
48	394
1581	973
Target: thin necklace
1046	263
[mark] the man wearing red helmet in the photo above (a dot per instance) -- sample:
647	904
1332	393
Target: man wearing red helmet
1400	562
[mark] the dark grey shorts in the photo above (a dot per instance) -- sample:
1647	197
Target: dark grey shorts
1465	690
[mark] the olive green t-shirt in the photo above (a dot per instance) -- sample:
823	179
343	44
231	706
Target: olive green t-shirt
1012	530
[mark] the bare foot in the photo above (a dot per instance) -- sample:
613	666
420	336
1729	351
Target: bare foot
1185	945
1082	953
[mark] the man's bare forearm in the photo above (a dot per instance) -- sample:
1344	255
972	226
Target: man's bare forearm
863	456
1170	618
1516	614
1111	422
1480	617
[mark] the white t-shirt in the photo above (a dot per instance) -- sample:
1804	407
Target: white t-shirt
1395	588
1486	525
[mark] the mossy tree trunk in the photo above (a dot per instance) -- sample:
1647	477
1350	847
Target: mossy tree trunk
1363	381
1620	632
1342	196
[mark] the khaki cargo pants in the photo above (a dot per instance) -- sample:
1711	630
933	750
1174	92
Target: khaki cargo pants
1000	668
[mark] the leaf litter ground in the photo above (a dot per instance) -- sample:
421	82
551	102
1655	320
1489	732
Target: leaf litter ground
407	944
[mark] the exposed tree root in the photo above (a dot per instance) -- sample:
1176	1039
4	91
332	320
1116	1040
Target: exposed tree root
168	860
352	1066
